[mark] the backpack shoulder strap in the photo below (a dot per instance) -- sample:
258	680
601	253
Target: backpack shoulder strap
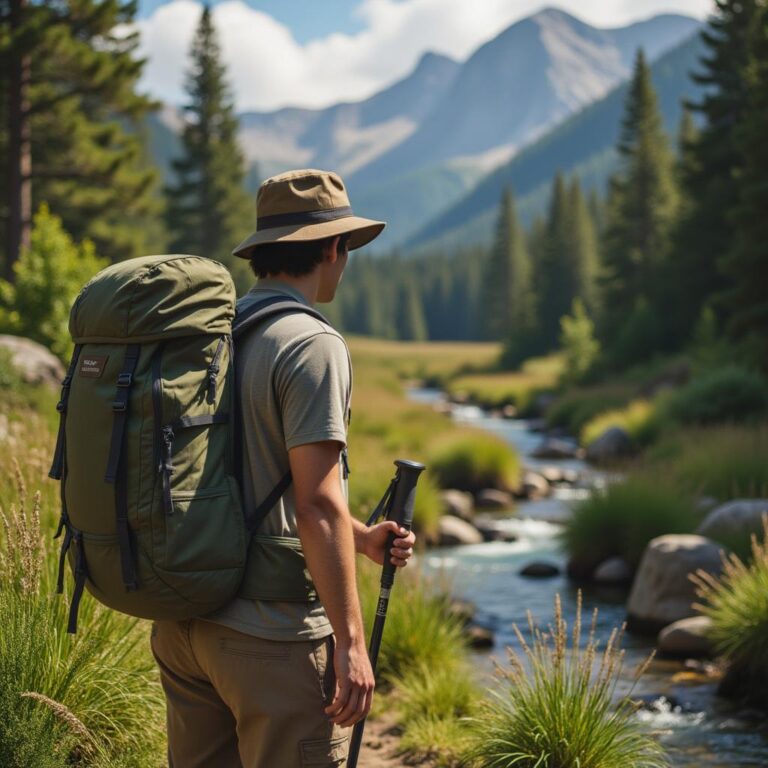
244	322
266	308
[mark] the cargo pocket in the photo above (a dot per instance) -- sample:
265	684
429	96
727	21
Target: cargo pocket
205	531
323	752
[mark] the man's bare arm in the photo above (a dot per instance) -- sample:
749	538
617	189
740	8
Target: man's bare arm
325	529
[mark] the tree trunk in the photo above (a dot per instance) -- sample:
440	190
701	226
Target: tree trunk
19	154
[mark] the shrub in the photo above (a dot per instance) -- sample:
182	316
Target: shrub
576	407
48	276
725	462
728	394
577	340
737	604
622	518
91	699
472	462
557	709
638	419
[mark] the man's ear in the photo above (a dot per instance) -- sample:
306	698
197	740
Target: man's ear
331	249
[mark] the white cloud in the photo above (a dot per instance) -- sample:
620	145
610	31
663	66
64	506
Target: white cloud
269	69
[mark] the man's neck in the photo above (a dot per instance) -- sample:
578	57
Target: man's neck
306	285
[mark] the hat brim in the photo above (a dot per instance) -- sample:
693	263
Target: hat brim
361	232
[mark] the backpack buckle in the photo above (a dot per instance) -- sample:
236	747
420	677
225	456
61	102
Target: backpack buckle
61	406
66	381
125	380
118	406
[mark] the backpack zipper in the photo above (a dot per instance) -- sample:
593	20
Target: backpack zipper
213	369
166	467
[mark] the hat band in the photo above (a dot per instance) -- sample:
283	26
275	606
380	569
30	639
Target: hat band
302	217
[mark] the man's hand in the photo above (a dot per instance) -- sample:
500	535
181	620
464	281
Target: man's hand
354	685
372	542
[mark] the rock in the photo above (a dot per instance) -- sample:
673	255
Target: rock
33	361
491	498
458	503
687	637
613	444
464	610
490	532
705	504
534	485
614	570
453	531
536	425
479	637
508	412
555	448
735	522
662	592
540	570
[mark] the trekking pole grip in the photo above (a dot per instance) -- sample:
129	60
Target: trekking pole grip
401	509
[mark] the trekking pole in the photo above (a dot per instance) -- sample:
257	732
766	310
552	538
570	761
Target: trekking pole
396	504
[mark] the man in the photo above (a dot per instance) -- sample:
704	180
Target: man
271	680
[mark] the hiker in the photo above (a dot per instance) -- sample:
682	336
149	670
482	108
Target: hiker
274	677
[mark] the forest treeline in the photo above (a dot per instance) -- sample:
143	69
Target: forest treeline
676	250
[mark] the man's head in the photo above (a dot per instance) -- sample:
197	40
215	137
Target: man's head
304	223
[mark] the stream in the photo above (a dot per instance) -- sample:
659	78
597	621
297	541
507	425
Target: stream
700	730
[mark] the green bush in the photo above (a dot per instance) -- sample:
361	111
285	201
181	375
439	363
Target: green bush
728	394
737	604
577	407
48	276
725	462
639	419
93	699
474	461
621	519
556	709
577	341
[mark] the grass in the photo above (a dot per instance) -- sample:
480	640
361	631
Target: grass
621	519
577	406
472	462
556	707
500	388
737	604
638	419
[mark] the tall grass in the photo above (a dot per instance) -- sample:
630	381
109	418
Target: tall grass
556	708
577	406
91	700
622	518
638	419
472	462
737	604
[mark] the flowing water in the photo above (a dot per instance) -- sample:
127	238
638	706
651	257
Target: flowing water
699	729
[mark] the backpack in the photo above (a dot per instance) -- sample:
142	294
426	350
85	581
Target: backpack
148	448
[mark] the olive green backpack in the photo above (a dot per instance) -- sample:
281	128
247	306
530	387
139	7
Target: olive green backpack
148	445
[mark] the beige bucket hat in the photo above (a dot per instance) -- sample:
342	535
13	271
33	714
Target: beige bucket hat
306	205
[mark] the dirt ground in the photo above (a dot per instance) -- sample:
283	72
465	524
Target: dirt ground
381	747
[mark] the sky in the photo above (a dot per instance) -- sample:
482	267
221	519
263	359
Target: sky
313	53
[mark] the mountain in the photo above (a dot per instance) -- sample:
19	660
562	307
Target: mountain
523	82
583	145
347	136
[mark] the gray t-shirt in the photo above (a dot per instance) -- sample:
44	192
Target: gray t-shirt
296	387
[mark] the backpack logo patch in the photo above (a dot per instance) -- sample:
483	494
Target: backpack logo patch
92	366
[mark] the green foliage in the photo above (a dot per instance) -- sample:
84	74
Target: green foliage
728	394
724	462
577	341
621	519
421	631
641	212
83	112
576	407
474	462
208	209
92	699
48	277
737	604
639	419
556	707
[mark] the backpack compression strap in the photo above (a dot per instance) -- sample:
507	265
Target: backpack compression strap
245	322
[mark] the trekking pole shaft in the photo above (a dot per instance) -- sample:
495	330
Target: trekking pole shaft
401	511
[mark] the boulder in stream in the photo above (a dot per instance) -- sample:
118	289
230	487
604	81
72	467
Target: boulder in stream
663	592
556	448
458	503
614	570
453	531
492	498
534	485
734	523
686	638
612	445
540	570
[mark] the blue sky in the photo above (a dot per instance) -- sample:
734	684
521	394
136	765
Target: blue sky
313	53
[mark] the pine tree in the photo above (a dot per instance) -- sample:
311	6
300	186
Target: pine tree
746	261
583	246
642	207
714	163
508	291
69	129
411	325
209	211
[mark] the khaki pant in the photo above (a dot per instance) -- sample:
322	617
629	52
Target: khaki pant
236	701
